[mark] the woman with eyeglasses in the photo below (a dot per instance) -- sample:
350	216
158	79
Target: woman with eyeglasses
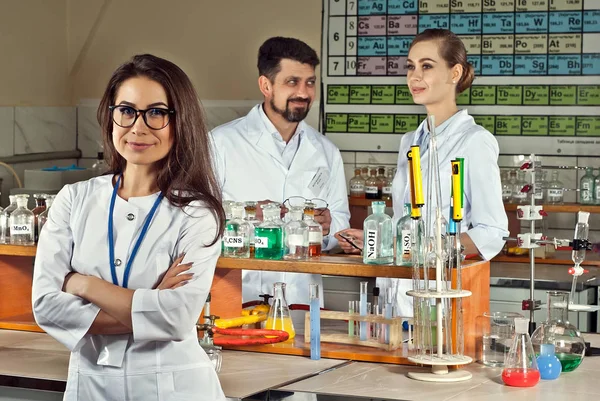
126	260
438	71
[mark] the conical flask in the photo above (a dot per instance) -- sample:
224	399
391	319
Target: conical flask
556	330
279	315
520	366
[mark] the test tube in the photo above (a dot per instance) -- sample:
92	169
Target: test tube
315	322
363	309
387	313
351	311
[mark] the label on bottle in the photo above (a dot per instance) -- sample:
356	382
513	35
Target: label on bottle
21	229
357	187
598	192
387	190
586	194
520	195
555	194
296	240
406	243
261	242
315	237
371	244
539	193
371	189
233	241
506	193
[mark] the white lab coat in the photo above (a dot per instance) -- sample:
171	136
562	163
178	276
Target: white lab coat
484	217
162	359
250	168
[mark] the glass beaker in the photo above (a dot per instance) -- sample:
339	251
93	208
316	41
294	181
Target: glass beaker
520	366
279	315
495	330
567	340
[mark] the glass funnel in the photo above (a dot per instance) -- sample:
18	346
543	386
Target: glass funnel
279	315
557	330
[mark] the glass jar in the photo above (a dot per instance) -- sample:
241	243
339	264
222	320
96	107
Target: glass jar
21	223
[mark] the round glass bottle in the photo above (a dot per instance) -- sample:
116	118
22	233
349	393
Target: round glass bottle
295	236
315	231
4	222
567	340
268	236
21	223
236	238
43	217
357	185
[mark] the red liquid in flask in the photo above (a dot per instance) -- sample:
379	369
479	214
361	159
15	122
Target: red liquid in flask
520	377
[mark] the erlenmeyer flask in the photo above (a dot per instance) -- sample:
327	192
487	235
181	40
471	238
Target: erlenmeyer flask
567	340
520	366
279	315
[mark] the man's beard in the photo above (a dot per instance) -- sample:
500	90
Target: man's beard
292	115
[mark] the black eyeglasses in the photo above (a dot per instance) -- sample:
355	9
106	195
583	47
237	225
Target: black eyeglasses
126	116
299	201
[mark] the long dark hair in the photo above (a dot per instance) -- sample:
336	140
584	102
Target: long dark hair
452	50
186	173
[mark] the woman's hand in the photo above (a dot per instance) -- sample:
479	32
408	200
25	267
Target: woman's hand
348	237
174	277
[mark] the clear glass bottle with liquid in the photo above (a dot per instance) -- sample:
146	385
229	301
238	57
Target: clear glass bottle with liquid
21	223
520	366
268	236
378	239
567	340
386	189
40	206
357	185
404	238
4	220
372	186
586	187
518	195
364	172
250	210
295	236
507	186
315	231
236	237
555	192
99	167
43	217
279	317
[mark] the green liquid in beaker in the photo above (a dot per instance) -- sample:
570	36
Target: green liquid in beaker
274	245
569	362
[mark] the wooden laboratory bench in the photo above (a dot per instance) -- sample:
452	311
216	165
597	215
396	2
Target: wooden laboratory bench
16	279
37	361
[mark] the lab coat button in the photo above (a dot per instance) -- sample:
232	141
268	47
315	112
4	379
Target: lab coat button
130	216
117	262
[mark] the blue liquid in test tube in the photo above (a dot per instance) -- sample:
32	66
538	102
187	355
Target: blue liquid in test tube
315	322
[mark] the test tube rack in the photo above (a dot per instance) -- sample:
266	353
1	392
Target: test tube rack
395	325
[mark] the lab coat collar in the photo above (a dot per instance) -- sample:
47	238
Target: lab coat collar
449	126
261	129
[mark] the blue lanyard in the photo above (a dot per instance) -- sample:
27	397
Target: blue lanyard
111	242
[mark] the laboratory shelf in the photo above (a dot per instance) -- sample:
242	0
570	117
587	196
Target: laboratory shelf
564	208
17	250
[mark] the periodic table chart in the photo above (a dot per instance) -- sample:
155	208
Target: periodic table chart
537	67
